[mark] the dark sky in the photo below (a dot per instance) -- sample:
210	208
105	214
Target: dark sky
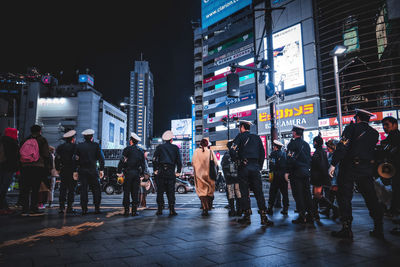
107	39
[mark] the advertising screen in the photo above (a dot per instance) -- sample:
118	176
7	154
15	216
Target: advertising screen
288	57
213	11
182	127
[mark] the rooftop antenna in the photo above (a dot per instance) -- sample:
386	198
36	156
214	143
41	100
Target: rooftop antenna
141	56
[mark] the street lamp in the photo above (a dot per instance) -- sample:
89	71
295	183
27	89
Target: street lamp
124	104
339	50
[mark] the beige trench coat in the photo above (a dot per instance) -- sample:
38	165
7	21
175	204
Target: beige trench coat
205	186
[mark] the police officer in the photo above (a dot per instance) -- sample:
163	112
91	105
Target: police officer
355	154
278	167
298	172
132	162
64	165
165	159
87	154
248	149
392	145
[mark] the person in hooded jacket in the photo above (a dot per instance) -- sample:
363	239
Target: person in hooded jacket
320	178
8	164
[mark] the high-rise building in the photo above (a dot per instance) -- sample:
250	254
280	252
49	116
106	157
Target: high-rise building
141	102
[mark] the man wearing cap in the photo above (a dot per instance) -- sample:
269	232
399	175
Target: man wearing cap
278	168
87	154
355	154
133	165
298	172
165	159
249	151
64	165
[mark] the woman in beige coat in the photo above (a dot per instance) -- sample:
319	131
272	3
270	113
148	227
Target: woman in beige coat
205	186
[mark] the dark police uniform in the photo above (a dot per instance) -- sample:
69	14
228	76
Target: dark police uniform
229	168
298	167
64	164
133	163
249	150
165	158
278	168
87	154
355	153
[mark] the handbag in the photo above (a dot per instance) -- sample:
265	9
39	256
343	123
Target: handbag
213	169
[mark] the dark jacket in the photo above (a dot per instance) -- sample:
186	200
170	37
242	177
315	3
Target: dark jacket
226	169
248	146
132	159
87	155
167	154
64	157
298	158
44	153
392	142
277	163
11	150
319	168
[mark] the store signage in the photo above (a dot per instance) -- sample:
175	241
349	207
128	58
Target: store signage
304	113
243	51
220	48
230	101
231	115
351	40
264	142
222	75
221	87
85	78
288	57
378	116
182	127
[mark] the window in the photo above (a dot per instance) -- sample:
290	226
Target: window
111	132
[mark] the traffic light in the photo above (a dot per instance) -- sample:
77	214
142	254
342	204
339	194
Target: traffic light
233	85
269	90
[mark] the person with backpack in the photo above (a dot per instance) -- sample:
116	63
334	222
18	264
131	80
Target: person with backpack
35	166
229	167
8	164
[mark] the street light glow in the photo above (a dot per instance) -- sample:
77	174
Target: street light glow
122	104
339	50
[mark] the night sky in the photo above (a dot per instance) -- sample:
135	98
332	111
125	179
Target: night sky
107	39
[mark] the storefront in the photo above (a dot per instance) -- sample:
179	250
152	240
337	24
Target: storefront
329	126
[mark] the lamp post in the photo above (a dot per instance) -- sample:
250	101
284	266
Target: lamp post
123	104
339	50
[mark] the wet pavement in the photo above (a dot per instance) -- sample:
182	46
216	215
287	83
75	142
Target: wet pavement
109	239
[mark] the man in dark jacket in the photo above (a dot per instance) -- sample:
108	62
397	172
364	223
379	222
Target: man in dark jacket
87	155
249	151
320	178
64	164
165	159
229	167
133	165
33	172
8	164
298	172
355	153
278	167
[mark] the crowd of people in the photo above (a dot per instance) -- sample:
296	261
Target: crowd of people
317	180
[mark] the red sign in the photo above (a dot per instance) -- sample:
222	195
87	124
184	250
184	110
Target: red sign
222	75
218	155
347	119
264	141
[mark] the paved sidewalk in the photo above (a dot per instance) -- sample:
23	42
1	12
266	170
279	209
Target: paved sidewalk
188	239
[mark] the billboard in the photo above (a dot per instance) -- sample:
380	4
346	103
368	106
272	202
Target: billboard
181	128
288	58
85	78
213	11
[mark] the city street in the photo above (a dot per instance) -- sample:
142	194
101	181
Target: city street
109	239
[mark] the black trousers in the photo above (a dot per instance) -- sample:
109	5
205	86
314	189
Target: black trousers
67	188
90	179
395	203
166	180
5	181
131	188
366	187
31	177
278	184
302	194
250	178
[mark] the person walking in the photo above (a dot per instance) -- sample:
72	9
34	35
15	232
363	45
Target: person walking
229	168
355	153
320	178
9	164
133	166
35	166
249	151
278	167
205	186
165	159
87	154
64	165
298	172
